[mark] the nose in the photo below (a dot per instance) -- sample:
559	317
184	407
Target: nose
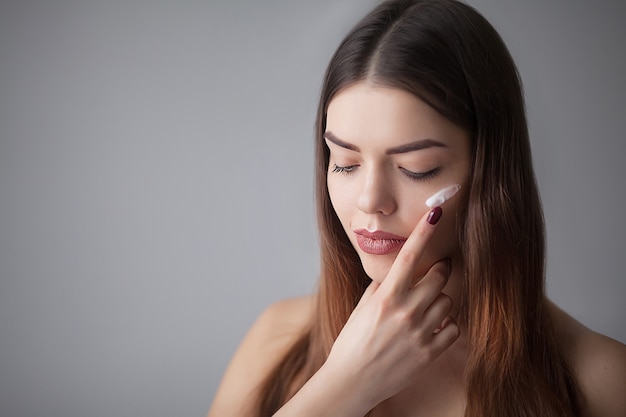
376	195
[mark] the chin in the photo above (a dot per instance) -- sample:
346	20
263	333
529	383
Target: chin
377	270
377	267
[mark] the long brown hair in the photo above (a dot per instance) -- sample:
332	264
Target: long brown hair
449	56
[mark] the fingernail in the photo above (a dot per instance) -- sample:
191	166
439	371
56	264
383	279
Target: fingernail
435	215
443	324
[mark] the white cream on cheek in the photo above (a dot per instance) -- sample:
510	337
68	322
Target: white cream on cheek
443	195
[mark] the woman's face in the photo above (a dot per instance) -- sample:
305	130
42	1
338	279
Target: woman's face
389	152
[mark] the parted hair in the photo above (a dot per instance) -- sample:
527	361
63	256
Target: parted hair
448	55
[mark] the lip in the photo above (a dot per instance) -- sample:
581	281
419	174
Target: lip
378	242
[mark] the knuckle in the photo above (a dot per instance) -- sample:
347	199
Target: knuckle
453	330
451	335
434	280
441	279
404	317
407	258
387	304
442	268
456	332
423	231
422	300
428	354
446	302
439	276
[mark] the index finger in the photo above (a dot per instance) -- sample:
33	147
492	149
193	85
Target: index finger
399	278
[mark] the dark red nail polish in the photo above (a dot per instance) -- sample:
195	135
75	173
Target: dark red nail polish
435	215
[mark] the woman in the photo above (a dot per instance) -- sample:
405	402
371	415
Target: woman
424	311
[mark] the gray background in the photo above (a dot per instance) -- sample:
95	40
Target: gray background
156	184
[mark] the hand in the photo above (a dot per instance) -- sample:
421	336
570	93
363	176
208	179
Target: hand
397	329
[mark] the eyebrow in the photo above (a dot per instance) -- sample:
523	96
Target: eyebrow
334	139
408	147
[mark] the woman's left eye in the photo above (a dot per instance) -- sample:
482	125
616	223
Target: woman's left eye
420	176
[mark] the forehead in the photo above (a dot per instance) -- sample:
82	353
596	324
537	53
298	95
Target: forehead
367	114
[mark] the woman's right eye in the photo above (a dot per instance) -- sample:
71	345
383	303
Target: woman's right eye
344	170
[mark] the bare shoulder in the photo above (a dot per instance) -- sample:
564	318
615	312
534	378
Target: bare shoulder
267	341
598	362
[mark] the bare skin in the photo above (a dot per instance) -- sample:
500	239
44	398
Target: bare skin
401	349
398	329
598	361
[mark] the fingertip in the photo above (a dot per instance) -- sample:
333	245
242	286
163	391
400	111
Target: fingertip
434	215
444	267
443	324
449	326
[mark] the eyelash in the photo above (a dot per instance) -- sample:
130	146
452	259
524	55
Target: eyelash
344	170
416	176
421	176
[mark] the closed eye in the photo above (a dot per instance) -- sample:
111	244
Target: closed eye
344	170
420	176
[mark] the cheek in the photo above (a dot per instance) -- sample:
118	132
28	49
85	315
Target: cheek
340	199
445	242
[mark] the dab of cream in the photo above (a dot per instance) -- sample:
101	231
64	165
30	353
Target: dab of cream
443	195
